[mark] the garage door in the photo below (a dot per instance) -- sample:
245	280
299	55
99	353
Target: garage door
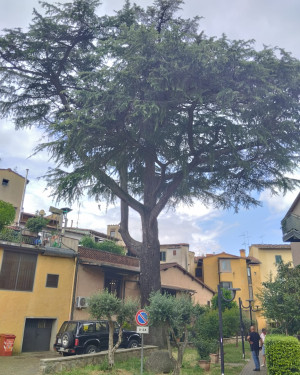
37	335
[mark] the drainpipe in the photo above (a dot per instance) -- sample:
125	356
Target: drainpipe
74	288
23	197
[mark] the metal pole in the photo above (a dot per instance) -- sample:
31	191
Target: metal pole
142	353
250	307
221	329
242	327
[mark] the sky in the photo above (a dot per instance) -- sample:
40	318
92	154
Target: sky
207	230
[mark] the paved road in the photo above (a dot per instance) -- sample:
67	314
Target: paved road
23	364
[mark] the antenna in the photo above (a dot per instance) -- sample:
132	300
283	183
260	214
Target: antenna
78	214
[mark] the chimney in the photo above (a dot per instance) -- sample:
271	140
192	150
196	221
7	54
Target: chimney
243	253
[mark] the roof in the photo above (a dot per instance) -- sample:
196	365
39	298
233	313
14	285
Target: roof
10	170
175	244
270	246
294	204
94	232
253	260
165	266
225	255
178	288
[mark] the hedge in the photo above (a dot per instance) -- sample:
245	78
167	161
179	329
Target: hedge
282	354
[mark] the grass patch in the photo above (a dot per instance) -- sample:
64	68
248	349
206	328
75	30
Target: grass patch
234	364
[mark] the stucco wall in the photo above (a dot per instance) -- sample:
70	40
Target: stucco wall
176	278
13	192
42	302
295	247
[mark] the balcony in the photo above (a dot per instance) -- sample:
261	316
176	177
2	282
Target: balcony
290	226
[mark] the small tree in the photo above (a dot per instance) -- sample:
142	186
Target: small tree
176	314
105	305
7	214
35	224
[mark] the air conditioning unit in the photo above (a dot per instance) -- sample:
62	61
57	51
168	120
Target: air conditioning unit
81	303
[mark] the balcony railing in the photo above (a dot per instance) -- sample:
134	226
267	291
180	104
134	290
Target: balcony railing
290	226
23	237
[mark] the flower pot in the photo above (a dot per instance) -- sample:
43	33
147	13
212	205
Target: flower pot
204	364
214	358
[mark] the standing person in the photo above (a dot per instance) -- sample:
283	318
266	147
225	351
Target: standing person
262	337
255	342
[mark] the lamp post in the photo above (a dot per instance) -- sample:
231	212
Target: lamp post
251	309
220	297
241	319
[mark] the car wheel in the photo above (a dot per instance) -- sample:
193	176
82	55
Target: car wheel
91	349
133	344
67	339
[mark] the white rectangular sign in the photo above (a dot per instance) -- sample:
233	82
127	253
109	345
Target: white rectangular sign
142	329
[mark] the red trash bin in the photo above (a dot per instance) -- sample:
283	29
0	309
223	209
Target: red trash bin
6	344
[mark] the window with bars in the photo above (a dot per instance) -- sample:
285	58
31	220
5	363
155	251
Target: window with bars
52	281
17	271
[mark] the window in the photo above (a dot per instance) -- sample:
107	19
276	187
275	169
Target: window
226	284
249	275
113	285
52	281
225	265
174	252
278	259
17	271
5	182
113	233
101	327
199	272
163	256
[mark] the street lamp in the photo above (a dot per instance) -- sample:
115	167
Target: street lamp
241	319
220	297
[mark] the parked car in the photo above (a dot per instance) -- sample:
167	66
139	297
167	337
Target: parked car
90	336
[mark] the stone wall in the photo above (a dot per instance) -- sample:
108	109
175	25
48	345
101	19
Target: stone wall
53	365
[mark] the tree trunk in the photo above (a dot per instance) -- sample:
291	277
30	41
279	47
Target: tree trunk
149	259
111	360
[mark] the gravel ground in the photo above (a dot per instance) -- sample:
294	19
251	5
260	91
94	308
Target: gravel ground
23	364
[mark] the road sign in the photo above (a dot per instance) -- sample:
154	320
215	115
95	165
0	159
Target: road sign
142	329
141	318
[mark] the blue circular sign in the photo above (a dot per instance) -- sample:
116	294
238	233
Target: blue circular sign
142	318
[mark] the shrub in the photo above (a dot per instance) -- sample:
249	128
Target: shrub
109	246
283	355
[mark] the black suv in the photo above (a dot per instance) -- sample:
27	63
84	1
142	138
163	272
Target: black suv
90	336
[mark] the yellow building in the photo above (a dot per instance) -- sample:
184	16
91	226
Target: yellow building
12	188
268	256
36	293
228	270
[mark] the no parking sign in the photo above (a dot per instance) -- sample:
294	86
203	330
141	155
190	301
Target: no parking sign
142	318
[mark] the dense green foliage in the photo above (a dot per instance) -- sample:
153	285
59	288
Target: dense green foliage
144	107
36	224
7	213
283	355
109	246
280	298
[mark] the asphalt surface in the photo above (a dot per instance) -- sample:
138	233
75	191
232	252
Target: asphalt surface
23	364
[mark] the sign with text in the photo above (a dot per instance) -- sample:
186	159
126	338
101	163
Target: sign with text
142	329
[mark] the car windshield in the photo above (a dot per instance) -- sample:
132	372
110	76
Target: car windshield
68	326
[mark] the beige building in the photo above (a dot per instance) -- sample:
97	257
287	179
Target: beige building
291	229
12	188
178	253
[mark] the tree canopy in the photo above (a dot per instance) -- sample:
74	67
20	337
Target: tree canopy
280	298
144	107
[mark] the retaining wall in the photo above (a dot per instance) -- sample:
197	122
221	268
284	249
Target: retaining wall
52	365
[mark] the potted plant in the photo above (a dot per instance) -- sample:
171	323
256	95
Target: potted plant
203	348
214	351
